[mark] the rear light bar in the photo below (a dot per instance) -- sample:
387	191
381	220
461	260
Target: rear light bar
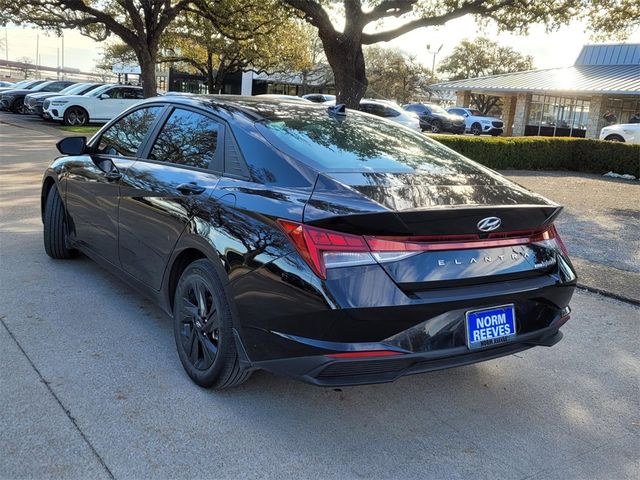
323	249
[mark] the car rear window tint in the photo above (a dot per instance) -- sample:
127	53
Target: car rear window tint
357	142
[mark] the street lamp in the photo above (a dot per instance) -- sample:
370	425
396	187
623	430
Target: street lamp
434	53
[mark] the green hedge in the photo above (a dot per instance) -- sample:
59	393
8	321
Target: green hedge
547	153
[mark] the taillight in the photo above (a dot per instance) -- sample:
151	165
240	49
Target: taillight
555	235
323	249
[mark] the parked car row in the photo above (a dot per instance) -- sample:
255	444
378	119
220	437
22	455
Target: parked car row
425	117
69	102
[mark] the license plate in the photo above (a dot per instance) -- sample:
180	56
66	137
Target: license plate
490	326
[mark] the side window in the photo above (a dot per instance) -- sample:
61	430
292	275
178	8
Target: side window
411	108
124	137
115	93
187	138
390	112
132	93
53	87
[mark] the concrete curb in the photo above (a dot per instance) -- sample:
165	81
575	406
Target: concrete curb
609	281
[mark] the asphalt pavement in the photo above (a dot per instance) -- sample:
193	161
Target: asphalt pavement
91	387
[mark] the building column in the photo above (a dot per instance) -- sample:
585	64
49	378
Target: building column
463	98
597	108
508	113
523	100
246	84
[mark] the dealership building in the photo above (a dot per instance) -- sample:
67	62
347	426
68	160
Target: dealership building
602	87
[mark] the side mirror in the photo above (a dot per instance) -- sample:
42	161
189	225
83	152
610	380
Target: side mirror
465	114
72	145
104	96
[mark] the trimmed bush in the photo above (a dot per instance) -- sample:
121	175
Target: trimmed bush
547	153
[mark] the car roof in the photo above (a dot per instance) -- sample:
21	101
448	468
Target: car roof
253	108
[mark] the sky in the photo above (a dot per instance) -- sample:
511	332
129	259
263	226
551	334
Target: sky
549	50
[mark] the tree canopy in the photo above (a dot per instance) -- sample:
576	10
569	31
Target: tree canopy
264	40
394	75
480	57
362	22
138	23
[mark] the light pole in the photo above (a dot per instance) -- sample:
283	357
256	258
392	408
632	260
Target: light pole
434	53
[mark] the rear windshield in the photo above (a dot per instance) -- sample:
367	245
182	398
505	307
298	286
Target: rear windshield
357	142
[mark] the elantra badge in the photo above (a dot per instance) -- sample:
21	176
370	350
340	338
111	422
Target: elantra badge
489	224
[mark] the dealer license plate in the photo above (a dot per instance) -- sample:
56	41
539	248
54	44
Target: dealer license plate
490	326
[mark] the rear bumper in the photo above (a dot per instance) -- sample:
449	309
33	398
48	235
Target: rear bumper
291	323
329	372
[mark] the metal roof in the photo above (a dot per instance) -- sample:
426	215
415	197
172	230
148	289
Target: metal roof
578	79
616	54
610	69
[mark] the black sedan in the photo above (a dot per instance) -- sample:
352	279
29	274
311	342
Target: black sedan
436	119
13	100
320	243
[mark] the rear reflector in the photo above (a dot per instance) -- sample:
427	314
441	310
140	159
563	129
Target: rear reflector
323	249
371	353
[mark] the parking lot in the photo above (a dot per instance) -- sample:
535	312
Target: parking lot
91	386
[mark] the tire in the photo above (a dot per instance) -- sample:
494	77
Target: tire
75	116
202	327
436	127
614	138
18	105
476	129
55	227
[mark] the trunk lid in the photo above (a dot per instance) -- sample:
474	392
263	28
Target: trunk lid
436	219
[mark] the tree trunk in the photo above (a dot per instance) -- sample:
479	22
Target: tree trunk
147	59
218	83
347	62
211	88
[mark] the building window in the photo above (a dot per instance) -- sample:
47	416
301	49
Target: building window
620	110
552	116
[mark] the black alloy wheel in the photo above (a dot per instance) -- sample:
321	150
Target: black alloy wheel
203	329
75	116
436	127
18	105
476	129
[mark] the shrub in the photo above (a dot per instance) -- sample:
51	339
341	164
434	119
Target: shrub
547	153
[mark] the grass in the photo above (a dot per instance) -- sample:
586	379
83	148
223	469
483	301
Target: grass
88	129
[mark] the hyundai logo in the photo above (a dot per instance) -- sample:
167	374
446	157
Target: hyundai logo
489	224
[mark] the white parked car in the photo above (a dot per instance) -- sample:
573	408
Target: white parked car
391	111
97	106
622	132
477	123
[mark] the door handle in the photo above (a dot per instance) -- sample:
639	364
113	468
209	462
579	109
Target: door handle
113	175
190	188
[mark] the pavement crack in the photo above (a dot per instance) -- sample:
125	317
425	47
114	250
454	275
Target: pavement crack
66	411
